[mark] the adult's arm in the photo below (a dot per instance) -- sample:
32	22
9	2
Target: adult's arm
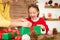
3	22
14	22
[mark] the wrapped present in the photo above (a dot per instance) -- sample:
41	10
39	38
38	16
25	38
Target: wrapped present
5	30
1	34
7	39
18	32
18	38
37	29
6	36
15	34
24	30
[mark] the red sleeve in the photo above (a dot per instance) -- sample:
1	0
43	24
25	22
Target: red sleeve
44	23
28	19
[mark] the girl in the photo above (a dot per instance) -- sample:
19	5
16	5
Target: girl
34	18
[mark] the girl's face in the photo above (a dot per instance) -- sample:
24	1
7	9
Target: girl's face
33	12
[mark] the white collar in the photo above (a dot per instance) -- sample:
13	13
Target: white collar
35	20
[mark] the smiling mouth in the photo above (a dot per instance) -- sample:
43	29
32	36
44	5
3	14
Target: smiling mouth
32	16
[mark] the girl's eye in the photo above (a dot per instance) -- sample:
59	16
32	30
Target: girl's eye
32	12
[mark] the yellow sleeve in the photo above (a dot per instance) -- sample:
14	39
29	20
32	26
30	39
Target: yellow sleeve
3	22
6	13
1	6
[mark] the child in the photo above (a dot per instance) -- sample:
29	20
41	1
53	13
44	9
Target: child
34	18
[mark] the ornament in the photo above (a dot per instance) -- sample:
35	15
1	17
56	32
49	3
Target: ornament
44	36
49	33
25	37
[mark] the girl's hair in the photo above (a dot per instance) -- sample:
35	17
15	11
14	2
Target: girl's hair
34	6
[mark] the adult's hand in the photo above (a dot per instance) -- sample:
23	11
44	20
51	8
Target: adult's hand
20	22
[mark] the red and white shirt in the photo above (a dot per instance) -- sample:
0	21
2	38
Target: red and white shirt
38	21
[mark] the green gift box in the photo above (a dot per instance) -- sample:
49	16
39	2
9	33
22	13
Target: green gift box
24	30
7	39
15	34
6	36
37	29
